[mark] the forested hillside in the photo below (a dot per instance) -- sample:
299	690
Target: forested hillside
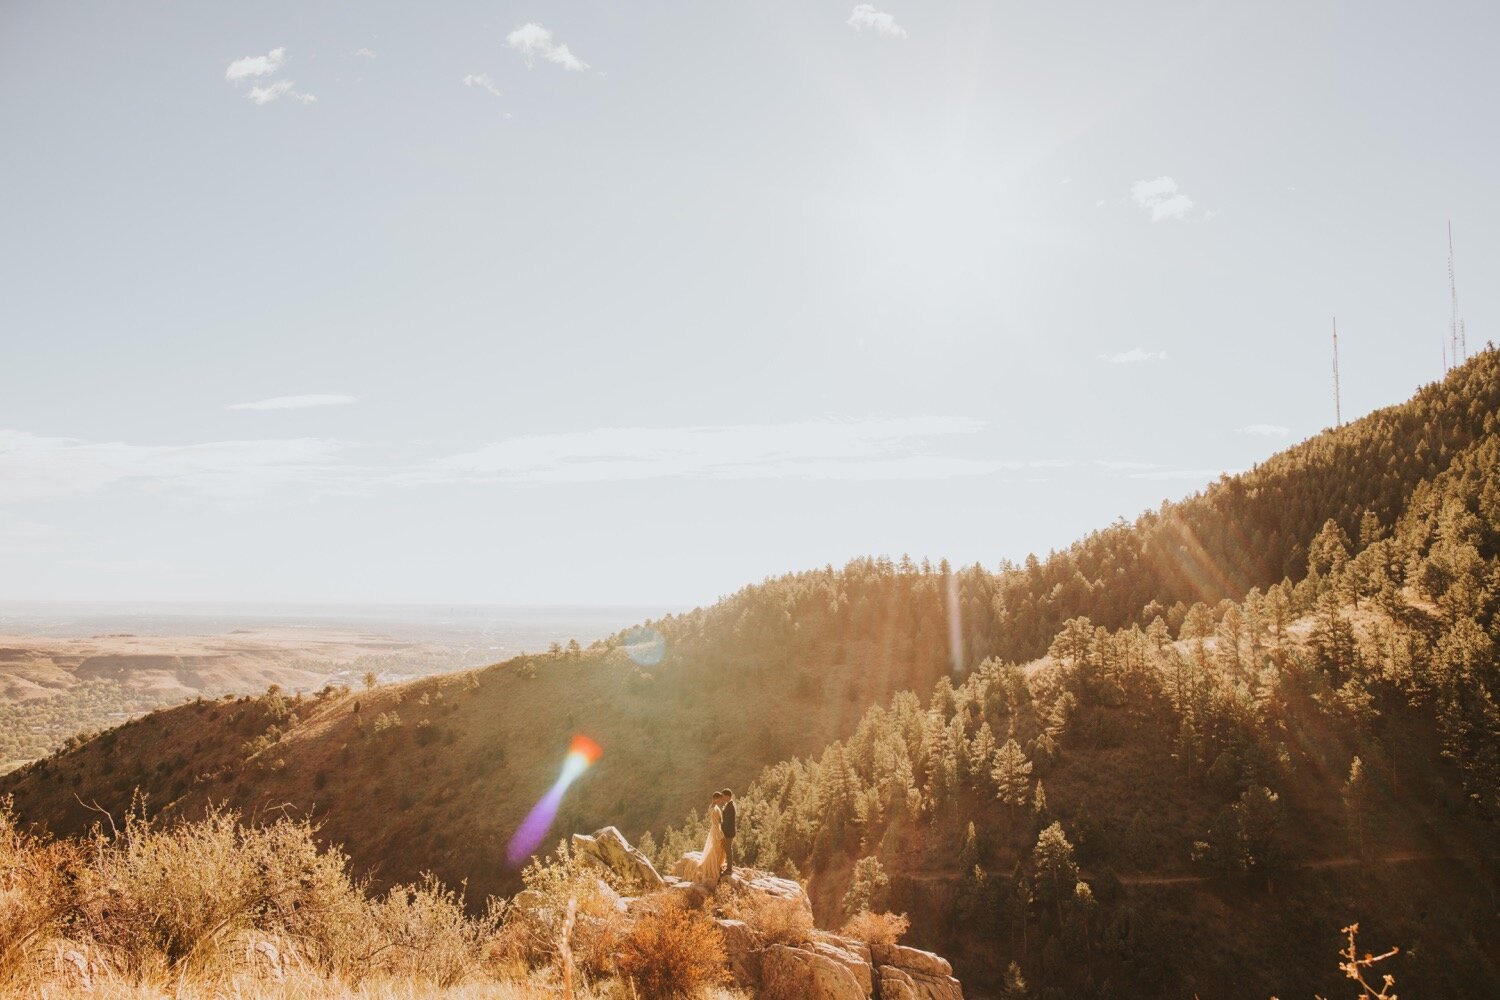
1158	811
1215	670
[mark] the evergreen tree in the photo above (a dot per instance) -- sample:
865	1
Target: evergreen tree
869	889
1015	984
1011	774
1356	796
1055	869
982	754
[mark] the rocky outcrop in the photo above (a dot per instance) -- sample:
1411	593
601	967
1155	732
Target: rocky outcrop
912	974
742	946
781	888
911	959
826	966
800	974
851	954
609	848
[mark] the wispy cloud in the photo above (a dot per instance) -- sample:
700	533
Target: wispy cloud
1266	430
866	16
297	402
251	68
532	40
256	65
1117	465
366	53
18	534
276	91
482	81
1161	198
1133	356
33	467
900	448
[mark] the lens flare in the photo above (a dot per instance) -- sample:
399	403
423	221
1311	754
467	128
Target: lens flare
645	645
955	626
582	753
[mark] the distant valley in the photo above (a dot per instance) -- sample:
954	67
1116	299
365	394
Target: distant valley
67	671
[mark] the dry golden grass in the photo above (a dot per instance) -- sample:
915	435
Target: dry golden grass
220	910
877	928
775	920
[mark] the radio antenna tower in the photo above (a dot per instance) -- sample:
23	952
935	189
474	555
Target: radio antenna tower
1338	409
1454	335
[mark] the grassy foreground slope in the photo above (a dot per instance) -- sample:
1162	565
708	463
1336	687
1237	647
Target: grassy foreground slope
435	774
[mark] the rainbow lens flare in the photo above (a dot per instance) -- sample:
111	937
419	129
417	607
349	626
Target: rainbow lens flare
582	753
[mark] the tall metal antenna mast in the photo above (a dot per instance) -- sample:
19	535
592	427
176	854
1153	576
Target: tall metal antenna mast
1453	335
1338	409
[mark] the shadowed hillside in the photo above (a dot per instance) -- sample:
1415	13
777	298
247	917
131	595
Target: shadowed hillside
435	774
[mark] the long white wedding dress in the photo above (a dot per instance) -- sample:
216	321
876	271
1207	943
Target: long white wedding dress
704	866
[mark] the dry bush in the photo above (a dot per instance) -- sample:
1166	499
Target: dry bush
534	923
164	900
36	889
427	936
877	928
671	951
776	920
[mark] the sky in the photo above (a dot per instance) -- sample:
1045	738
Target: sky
637	303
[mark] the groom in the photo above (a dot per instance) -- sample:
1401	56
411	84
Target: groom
726	824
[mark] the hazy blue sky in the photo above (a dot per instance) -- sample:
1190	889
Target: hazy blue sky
639	302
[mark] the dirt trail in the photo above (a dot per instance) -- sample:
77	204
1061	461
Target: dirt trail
1393	858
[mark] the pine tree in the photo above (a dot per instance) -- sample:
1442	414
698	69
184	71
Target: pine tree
1039	802
869	888
1015	984
1011	774
982	754
1056	870
1355	796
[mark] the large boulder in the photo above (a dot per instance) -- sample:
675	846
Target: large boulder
799	974
899	984
609	848
742	946
912	960
895	984
770	885
851	954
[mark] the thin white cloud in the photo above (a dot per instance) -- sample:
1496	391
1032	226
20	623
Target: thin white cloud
256	65
276	91
483	82
1133	356
1266	430
875	449
366	53
297	402
18	534
1161	198
1117	465
33	467
866	16
532	40
38	468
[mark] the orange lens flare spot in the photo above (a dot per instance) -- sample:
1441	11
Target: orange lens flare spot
585	748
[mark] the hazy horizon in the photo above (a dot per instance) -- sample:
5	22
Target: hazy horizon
507	304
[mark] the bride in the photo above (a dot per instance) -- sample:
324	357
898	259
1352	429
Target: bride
705	866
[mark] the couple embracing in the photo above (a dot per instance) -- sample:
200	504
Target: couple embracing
717	860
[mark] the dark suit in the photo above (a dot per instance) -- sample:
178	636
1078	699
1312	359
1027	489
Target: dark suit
726	823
